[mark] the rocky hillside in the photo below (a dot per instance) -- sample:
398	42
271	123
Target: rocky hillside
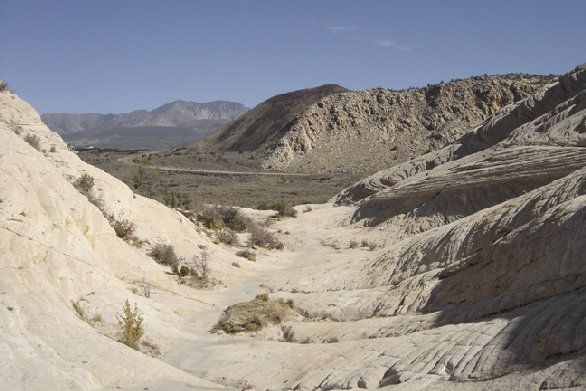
365	131
267	122
177	114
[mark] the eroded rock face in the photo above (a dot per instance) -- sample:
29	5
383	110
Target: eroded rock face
364	131
554	116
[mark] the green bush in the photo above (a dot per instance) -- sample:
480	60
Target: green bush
283	209
131	325
165	255
218	217
184	271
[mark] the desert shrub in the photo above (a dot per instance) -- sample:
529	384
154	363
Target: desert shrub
262	297
353	243
260	236
307	209
251	256
53	148
33	140
218	217
165	255
227	236
263	206
130	322
291	303
253	315
184	270
124	228
236	264
3	86
364	243
84	184
233	219
283	209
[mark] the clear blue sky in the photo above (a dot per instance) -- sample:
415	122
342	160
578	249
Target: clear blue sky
116	56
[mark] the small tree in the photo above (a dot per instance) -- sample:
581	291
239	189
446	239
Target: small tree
131	325
201	265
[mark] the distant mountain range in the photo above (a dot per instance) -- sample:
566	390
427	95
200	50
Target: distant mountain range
169	125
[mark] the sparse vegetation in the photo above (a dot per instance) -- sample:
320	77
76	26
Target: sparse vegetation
227	236
130	323
85	185
165	255
124	228
3	86
251	256
253	315
307	209
260	236
33	140
218	217
262	297
353	243
283	209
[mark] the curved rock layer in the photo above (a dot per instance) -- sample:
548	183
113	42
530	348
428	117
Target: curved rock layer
553	117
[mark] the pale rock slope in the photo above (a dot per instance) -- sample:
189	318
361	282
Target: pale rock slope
57	249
